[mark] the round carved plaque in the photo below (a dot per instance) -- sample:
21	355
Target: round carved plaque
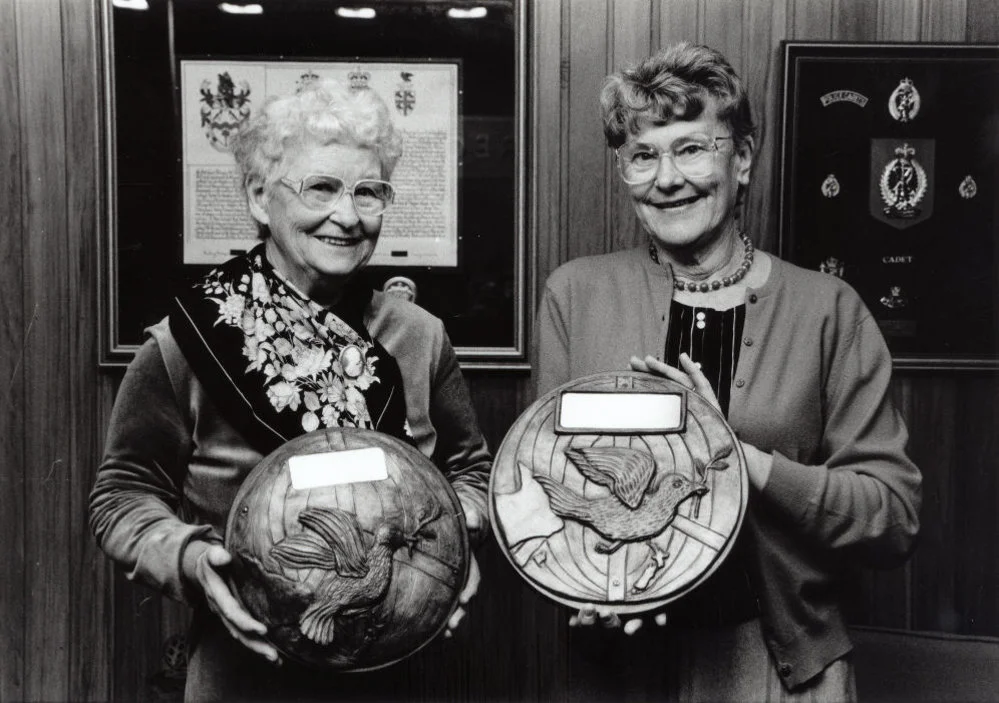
350	545
623	490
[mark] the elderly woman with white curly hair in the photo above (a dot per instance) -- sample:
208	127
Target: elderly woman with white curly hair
202	404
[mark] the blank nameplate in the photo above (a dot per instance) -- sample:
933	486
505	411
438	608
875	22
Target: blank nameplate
337	468
620	413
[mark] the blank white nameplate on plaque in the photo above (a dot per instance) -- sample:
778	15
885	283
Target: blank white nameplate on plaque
336	468
625	412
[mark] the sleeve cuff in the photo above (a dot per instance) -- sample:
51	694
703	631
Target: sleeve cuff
792	487
204	533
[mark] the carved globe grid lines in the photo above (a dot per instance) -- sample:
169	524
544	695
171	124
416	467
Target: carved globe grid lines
580	531
385	606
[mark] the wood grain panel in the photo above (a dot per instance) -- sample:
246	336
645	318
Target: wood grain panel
983	21
898	20
138	639
855	20
764	22
12	330
46	372
767	26
548	155
944	20
588	169
932	422
89	665
975	486
632	31
724	25
811	19
678	21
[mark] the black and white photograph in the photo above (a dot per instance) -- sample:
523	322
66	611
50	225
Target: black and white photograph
499	351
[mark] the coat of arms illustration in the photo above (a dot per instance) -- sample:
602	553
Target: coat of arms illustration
224	110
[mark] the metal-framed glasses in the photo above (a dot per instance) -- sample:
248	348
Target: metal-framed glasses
321	192
693	157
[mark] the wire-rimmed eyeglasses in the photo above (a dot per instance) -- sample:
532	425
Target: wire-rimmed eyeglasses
321	192
692	156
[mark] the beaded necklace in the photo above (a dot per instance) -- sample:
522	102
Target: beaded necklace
704	286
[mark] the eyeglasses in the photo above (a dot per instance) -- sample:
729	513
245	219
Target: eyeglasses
320	192
692	156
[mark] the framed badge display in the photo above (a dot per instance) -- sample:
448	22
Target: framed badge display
181	77
888	177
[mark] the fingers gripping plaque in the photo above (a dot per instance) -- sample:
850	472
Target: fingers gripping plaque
622	490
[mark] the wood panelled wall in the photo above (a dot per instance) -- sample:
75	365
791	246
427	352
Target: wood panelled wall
72	629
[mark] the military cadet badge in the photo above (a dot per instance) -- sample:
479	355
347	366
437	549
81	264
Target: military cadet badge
968	189
830	186
896	299
902	181
833	266
904	103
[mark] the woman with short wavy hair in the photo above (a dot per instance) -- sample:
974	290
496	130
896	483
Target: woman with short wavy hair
791	357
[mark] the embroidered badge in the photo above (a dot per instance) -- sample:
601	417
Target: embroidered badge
895	300
830	186
968	188
841	96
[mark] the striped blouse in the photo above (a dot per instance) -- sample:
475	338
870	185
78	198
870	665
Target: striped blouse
711	339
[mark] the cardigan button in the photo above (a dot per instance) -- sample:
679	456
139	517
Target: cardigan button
739	383
784	669
748	341
753	298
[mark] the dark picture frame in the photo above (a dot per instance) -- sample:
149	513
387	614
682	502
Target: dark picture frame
480	296
889	171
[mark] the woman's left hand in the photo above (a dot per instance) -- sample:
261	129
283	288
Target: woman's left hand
473	523
758	462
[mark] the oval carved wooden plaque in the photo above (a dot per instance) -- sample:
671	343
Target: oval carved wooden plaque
623	490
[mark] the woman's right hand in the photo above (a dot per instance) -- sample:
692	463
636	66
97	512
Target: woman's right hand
202	562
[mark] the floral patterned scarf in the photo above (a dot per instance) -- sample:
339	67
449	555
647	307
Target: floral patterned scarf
277	364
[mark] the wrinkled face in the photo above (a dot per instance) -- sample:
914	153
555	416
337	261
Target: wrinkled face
682	212
318	249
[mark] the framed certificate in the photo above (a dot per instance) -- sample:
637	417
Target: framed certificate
421	229
182	75
888	179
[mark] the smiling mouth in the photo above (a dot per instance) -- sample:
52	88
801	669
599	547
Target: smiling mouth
672	204
339	241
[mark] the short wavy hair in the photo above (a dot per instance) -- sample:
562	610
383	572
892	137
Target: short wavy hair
673	84
322	112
